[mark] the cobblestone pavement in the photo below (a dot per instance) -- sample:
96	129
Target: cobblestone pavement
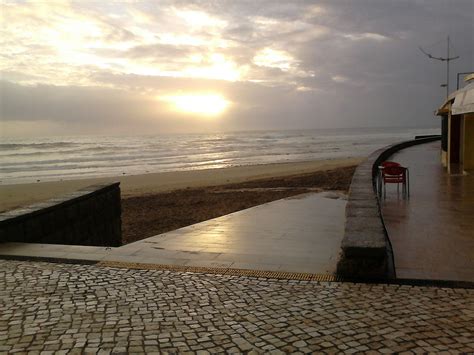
65	308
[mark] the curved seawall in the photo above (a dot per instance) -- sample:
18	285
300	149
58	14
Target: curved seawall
366	249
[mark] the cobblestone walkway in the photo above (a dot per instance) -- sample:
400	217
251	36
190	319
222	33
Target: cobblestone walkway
78	308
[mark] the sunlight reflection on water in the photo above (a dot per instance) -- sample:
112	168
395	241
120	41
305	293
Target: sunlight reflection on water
26	160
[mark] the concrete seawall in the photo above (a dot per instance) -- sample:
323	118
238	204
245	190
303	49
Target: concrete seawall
90	216
366	249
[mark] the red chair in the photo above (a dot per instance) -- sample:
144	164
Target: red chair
390	163
382	166
394	173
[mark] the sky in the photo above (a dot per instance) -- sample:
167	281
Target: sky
148	67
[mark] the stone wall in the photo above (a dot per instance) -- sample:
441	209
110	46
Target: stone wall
366	249
90	216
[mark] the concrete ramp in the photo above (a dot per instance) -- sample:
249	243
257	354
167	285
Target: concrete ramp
301	234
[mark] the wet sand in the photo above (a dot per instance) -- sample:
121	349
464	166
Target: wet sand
148	215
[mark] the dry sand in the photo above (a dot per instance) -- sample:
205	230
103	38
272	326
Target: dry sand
12	196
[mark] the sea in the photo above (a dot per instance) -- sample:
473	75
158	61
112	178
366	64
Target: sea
24	160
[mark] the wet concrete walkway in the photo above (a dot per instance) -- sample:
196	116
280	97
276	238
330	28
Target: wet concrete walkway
432	233
299	234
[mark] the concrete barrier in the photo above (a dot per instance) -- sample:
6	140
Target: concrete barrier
366	249
90	216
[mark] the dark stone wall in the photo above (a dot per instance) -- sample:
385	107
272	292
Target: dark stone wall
366	249
90	216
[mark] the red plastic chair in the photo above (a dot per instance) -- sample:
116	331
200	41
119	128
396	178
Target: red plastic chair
395	174
382	166
390	163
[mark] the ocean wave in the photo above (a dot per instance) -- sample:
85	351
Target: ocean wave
52	145
70	157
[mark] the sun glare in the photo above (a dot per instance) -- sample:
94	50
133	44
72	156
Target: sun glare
198	104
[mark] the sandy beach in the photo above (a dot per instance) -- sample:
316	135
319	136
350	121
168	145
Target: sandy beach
17	195
157	203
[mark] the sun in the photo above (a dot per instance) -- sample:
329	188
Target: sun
210	105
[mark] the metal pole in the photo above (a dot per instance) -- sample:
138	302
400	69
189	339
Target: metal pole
447	72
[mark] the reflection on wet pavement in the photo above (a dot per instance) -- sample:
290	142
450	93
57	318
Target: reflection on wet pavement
432	233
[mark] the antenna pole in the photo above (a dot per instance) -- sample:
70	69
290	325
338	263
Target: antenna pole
447	71
447	60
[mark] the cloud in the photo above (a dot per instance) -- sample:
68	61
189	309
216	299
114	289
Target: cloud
156	51
339	78
366	35
103	63
66	104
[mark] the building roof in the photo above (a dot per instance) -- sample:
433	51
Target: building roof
462	101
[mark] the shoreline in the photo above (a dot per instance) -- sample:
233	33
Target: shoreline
17	195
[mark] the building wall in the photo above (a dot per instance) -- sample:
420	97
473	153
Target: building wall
444	158
90	216
455	142
444	141
468	146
